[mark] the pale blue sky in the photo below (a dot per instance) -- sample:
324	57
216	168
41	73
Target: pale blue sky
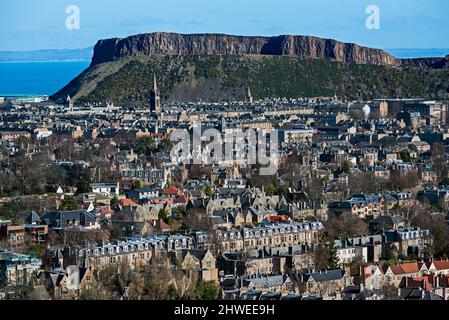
40	24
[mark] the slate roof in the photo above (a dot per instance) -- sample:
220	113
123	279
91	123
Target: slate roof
60	219
266	282
32	218
328	275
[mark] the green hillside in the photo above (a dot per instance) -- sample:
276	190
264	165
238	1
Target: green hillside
216	77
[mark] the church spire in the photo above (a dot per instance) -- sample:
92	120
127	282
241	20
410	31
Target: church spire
249	96
155	98
154	82
69	102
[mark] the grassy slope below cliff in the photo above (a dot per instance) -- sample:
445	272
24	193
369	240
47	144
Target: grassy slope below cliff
215	77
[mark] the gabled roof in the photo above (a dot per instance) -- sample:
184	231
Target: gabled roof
172	191
60	219
326	275
128	203
266	282
405	268
32	218
410	267
441	265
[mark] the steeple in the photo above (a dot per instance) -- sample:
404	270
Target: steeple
249	96
155	97
69	102
154	82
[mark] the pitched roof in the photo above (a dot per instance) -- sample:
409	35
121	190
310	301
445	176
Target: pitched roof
395	269
410	267
172	191
128	203
441	265
327	275
33	217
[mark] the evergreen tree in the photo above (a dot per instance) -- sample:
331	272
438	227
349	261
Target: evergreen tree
333	256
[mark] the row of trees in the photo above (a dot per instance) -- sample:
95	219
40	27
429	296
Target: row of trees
157	281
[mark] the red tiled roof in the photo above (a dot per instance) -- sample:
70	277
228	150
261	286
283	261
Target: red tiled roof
128	203
172	191
277	218
411	267
397	269
163	225
159	224
417	283
441	265
105	210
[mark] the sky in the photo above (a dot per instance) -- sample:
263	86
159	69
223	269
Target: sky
41	24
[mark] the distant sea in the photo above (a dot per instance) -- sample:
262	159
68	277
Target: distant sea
418	53
37	78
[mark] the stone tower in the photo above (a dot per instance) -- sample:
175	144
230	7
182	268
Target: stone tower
69	103
155	98
249	96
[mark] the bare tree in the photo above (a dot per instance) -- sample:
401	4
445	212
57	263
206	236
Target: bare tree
345	226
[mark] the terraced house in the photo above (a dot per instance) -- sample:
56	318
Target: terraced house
360	204
271	235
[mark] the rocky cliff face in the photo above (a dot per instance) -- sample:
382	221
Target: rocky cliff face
214	67
434	63
206	44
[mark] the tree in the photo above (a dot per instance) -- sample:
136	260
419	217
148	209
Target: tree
69	203
271	190
333	255
366	183
116	232
82	187
114	201
314	190
196	219
439	230
145	145
345	167
207	290
137	184
321	256
7	183
402	181
96	291
405	155
439	160
392	255
444	181
345	225
325	255
412	147
209	191
166	145
162	281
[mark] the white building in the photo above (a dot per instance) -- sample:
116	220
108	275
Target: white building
108	189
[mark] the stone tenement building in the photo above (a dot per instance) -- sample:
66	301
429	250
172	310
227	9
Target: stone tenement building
276	235
136	252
